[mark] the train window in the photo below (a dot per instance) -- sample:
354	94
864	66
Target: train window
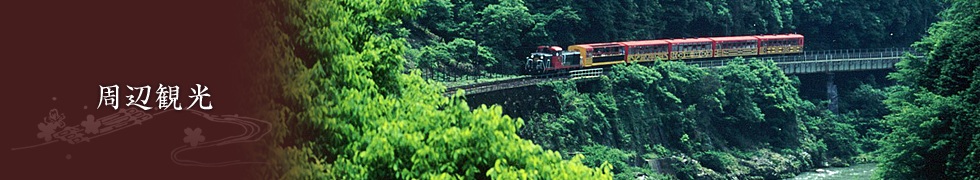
782	42
610	51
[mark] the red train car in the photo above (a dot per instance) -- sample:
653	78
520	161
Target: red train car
736	46
598	54
780	44
650	50
693	48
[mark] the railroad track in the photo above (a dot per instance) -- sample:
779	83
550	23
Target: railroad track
524	81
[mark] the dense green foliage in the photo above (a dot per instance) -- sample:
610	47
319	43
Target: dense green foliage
936	106
724	118
858	122
461	57
510	29
597	154
863	109
348	111
755	97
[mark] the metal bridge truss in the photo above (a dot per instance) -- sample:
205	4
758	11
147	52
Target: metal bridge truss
829	61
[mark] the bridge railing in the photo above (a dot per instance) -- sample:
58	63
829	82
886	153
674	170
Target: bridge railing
585	72
824	55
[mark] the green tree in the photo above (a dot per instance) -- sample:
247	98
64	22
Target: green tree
458	57
935	108
749	104
352	113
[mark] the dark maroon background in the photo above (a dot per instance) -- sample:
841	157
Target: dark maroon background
67	49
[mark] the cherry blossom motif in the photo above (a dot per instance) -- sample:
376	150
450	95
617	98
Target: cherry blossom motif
193	136
50	124
91	125
46	130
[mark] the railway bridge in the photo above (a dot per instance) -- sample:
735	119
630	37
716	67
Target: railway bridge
827	61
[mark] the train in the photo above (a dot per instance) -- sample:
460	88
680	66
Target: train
554	58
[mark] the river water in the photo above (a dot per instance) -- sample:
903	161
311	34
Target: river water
859	171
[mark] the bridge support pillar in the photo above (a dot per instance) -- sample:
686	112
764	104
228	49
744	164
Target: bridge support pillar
831	93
